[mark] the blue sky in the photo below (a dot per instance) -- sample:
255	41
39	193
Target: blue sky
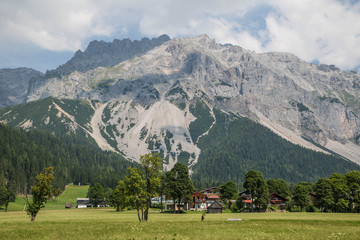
43	34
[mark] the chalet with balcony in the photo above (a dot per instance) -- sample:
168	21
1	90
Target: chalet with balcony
203	199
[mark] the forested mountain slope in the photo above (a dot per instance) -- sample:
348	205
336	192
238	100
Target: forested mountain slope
24	154
236	145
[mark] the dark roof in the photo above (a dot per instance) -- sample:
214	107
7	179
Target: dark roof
275	195
213	189
215	205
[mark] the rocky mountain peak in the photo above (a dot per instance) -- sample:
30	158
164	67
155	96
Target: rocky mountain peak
315	106
106	54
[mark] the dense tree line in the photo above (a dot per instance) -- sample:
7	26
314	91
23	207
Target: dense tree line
337	193
141	184
137	188
26	153
236	145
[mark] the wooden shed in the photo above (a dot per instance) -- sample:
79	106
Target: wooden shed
68	205
215	207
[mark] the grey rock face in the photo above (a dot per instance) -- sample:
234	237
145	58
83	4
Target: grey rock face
14	85
105	54
296	99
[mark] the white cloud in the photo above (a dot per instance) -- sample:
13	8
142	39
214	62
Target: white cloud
52	25
327	30
324	30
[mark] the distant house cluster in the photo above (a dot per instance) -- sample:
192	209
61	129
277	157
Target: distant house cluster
209	200
275	200
205	200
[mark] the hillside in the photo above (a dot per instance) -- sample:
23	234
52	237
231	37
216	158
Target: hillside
172	99
70	194
26	154
236	145
228	145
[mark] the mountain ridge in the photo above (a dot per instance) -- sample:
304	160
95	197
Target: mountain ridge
315	106
106	54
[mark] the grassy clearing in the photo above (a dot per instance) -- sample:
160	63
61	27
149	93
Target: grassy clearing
108	224
71	193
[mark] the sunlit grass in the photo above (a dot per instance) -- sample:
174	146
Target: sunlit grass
105	223
56	222
71	193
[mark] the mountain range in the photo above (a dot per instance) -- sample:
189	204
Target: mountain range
190	99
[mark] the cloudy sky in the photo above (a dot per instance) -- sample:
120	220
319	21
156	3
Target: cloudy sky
43	34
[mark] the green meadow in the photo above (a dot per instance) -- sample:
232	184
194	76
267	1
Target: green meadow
56	222
108	224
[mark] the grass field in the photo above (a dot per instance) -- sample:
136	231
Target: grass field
56	222
71	193
105	223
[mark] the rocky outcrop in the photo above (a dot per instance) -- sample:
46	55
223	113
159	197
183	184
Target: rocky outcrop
14	85
106	54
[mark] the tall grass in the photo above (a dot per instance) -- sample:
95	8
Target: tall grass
108	224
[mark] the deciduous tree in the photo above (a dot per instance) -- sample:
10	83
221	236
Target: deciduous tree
340	191
170	186
42	191
256	186
228	191
178	183
96	194
135	190
151	164
324	194
278	186
7	195
301	196
118	198
353	183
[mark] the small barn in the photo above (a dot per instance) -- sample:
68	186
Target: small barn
68	205
215	207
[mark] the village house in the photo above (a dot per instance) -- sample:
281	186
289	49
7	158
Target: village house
203	199
83	203
278	201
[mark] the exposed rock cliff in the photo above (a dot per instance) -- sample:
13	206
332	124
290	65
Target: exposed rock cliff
14	85
154	94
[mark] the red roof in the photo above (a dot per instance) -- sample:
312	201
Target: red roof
213	196
247	201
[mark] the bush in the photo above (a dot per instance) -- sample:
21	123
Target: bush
311	208
156	205
237	206
289	205
272	209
